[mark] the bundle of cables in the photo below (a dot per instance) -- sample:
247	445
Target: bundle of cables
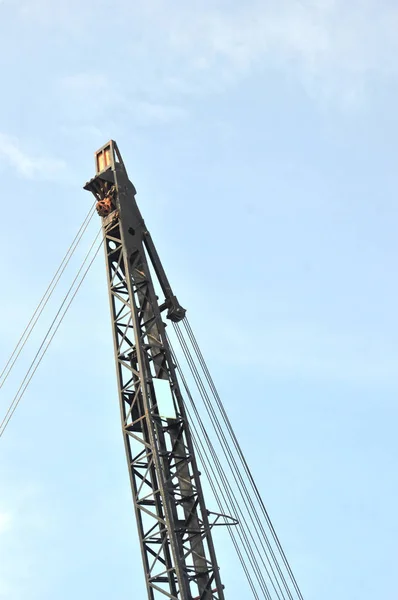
257	546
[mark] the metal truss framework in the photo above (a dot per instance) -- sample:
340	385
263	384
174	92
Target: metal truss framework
173	523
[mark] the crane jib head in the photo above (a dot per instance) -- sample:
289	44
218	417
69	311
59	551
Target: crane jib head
108	160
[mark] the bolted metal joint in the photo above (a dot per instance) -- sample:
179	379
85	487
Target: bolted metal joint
175	311
173	525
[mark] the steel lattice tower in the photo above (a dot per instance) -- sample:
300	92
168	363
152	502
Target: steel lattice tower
173	523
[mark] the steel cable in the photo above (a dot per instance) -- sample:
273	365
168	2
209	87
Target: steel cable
237	475
225	496
224	489
232	465
33	367
240	453
199	450
45	298
220	506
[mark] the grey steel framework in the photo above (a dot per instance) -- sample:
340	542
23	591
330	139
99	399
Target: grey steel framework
173	523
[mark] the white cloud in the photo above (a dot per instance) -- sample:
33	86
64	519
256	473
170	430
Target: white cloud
90	91
26	164
336	49
72	16
95	94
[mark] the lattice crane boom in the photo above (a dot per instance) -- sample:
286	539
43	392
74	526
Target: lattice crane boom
173	522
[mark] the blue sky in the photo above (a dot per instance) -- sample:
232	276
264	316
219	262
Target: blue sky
261	137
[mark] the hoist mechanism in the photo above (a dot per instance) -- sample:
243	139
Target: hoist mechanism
174	527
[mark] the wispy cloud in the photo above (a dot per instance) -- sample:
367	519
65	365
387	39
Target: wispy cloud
333	48
94	93
89	94
27	164
336	50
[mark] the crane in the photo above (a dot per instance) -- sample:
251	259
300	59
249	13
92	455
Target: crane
165	436
173	522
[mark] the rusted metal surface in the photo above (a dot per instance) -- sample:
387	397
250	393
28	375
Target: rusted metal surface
105	207
173	522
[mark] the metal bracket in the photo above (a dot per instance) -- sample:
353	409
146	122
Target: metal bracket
233	521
